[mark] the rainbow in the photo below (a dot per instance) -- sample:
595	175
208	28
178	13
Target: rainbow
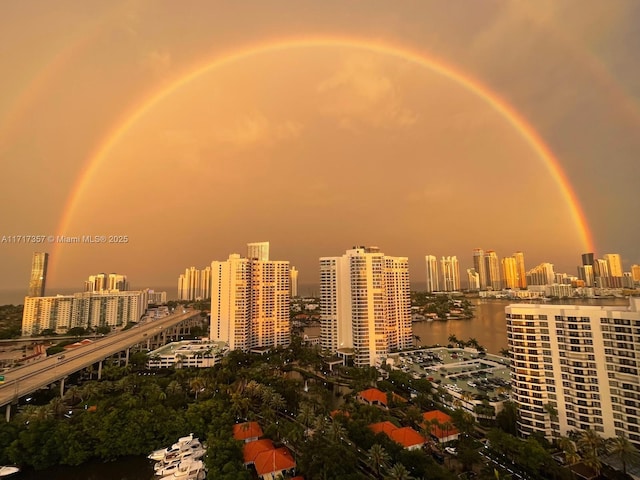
519	123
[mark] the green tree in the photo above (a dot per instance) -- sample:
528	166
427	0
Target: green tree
377	459
623	450
398	472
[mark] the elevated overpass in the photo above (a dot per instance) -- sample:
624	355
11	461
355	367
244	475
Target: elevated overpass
27	379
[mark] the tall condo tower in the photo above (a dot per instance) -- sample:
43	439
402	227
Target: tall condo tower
450	274
38	274
480	267
580	360
432	273
294	281
365	305
492	268
250	300
520	269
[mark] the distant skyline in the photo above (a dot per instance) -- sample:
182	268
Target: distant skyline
422	128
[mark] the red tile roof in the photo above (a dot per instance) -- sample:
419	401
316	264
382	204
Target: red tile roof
374	395
407	437
275	460
242	431
344	413
252	449
384	427
442	419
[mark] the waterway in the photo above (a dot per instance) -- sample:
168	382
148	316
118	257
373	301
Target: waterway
488	325
128	468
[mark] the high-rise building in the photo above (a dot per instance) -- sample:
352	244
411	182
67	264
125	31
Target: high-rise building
587	258
580	360
480	267
38	278
450	274
365	305
492	268
542	274
614	265
585	273
258	251
601	273
87	310
194	284
635	273
473	279
250	301
294	281
205	283
520	268
102	282
510	272
432	273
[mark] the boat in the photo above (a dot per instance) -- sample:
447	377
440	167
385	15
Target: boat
166	467
194	452
161	453
8	470
187	471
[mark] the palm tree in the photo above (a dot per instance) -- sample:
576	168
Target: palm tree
398	472
569	449
73	394
623	450
336	432
306	416
378	458
174	388
453	339
591	444
196	385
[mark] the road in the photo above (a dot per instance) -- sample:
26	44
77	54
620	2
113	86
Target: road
27	379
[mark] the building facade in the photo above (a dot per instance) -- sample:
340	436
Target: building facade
450	274
250	301
575	367
293	279
432	274
87	310
38	278
365	304
480	267
194	284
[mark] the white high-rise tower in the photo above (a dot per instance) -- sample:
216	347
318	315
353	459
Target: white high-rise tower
250	301
365	304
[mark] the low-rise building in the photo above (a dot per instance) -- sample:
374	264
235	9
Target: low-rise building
188	354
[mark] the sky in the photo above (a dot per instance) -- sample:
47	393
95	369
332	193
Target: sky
422	127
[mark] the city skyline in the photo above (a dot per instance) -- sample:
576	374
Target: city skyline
195	283
291	114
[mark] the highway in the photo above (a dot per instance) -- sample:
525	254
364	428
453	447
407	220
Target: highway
27	379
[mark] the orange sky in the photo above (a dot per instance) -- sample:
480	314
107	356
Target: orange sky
316	148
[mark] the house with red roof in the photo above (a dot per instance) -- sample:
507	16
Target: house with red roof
373	396
251	450
271	464
405	436
247	432
440	426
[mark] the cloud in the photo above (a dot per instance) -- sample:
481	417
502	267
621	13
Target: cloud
256	129
157	62
360	93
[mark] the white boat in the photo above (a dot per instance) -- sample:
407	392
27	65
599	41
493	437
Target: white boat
187	471
183	443
8	470
189	452
165	468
